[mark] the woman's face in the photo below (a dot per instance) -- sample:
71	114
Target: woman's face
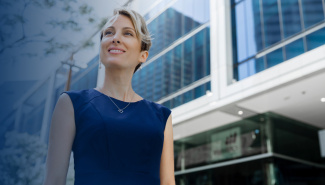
120	47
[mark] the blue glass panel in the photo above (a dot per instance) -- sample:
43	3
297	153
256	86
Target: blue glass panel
143	84
274	58
312	12
253	27
149	81
199	58
188	96
315	39
158	79
188	69
294	49
176	69
177	101
243	71
259	64
271	22
251	67
207	50
208	86
167	104
291	17
168	58
181	18
199	91
241	34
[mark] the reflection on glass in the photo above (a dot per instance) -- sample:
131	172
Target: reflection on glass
199	58
158	79
271	22
247	138
259	64
188	68
167	73
188	96
313	12
291	17
176	21
294	49
248	37
176	69
315	39
274	58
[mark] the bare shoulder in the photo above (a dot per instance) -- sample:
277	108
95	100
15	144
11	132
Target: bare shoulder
64	103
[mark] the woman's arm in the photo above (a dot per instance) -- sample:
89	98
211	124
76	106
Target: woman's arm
167	176
62	132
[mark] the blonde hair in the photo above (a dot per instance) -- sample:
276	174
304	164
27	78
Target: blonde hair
139	24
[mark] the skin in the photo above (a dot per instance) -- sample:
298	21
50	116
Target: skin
119	69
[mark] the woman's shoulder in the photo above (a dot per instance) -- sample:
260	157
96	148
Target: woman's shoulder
160	108
78	97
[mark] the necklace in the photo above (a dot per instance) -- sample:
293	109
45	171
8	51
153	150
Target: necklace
118	108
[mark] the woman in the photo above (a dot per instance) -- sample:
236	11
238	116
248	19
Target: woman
117	137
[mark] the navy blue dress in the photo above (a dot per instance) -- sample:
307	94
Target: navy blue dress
113	148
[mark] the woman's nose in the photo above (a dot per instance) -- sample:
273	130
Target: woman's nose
116	38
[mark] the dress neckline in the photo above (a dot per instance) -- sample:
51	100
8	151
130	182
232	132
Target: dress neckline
115	98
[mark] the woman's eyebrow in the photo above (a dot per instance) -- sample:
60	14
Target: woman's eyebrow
128	28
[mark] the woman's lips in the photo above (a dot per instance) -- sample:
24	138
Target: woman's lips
115	51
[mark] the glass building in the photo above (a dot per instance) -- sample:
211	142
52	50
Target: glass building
266	33
178	67
229	72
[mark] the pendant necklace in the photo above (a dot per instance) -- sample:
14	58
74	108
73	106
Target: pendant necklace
118	108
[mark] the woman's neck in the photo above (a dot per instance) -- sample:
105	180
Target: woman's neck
117	83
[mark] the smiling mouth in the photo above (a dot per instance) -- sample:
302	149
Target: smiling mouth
115	51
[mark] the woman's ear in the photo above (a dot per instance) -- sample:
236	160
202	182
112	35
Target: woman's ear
143	56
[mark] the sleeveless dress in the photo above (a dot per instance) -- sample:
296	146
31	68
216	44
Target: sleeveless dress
113	148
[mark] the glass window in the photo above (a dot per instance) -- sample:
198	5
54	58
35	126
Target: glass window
207	50
253	26
177	101
199	91
168	57
176	69
294	49
199	58
188	68
274	58
315	39
185	15
313	12
241	33
149	81
259	64
291	17
188	96
243	70
271	22
158	79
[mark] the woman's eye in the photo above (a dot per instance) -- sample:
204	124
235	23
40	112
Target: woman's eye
108	32
128	33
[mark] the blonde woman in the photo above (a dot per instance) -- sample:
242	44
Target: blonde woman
117	137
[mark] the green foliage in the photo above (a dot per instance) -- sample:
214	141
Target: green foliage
20	159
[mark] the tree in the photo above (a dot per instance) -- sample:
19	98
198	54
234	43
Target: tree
19	157
42	27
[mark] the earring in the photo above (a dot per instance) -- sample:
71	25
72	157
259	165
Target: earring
100	64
